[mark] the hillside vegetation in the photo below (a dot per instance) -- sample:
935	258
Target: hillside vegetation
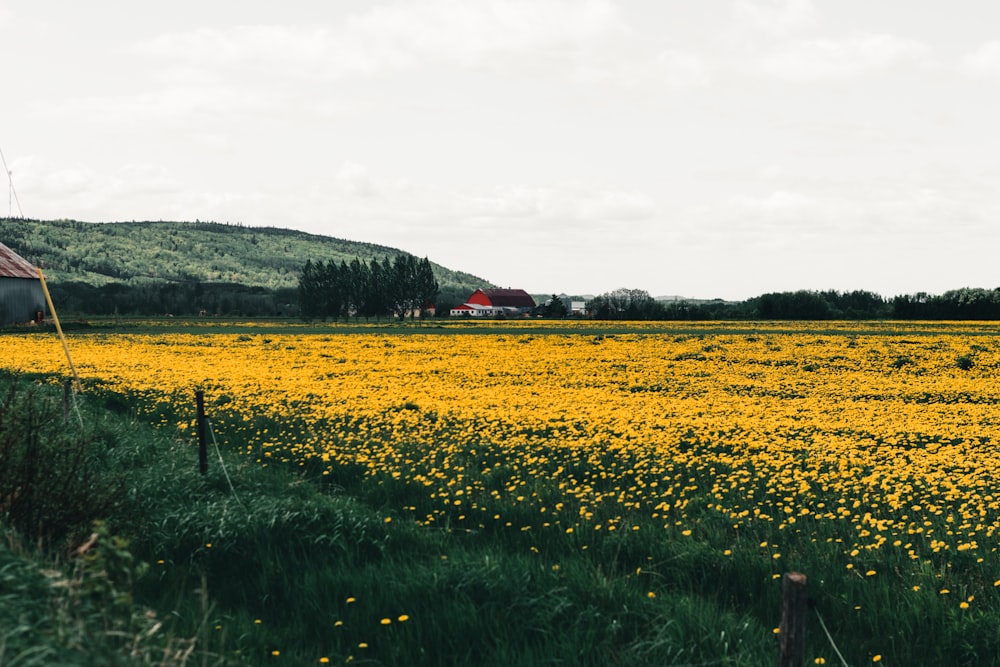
208	252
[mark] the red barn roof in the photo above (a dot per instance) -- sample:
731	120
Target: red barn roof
502	298
13	265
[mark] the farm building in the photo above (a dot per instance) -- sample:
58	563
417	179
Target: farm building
21	295
496	303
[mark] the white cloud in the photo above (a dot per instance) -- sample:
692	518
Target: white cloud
171	105
492	219
778	203
861	53
773	218
560	207
399	36
87	193
354	180
903	216
777	17
681	70
984	61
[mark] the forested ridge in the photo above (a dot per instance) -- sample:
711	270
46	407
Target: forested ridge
208	252
160	267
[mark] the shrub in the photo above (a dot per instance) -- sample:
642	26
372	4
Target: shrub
901	360
53	482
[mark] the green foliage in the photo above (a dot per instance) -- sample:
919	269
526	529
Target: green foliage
554	308
965	362
967	303
80	612
902	360
54	476
126	263
374	289
626	304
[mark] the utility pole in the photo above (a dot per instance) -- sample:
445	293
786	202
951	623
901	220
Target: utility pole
11	192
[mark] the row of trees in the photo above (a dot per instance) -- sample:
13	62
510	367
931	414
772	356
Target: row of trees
394	287
150	298
968	303
626	304
962	304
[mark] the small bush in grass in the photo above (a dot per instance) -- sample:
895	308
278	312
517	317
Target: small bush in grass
902	360
53	481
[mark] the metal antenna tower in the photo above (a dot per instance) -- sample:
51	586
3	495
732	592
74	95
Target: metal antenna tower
11	192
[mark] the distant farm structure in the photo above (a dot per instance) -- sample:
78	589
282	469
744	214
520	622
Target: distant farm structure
22	298
496	303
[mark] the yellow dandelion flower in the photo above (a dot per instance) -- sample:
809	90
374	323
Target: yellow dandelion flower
403	618
386	621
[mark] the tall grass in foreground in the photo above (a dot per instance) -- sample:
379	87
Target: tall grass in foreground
185	569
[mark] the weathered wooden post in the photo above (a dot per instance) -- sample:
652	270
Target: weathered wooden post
200	428
792	629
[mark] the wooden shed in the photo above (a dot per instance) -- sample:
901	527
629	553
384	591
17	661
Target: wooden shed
21	294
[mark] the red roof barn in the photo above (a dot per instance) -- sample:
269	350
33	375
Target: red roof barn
492	302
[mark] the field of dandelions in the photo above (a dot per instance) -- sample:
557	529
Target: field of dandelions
863	455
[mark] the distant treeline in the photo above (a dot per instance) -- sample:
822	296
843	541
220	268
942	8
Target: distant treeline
76	299
961	304
331	290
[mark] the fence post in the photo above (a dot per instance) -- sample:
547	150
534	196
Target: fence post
200	428
792	630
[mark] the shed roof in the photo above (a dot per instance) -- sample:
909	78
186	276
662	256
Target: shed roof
13	265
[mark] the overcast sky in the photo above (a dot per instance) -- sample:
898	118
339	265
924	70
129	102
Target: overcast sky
718	148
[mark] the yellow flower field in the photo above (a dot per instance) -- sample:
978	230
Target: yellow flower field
871	435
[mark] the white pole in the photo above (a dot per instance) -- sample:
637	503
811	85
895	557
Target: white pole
11	193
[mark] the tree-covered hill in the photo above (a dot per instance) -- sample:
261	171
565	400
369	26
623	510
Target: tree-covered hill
187	252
